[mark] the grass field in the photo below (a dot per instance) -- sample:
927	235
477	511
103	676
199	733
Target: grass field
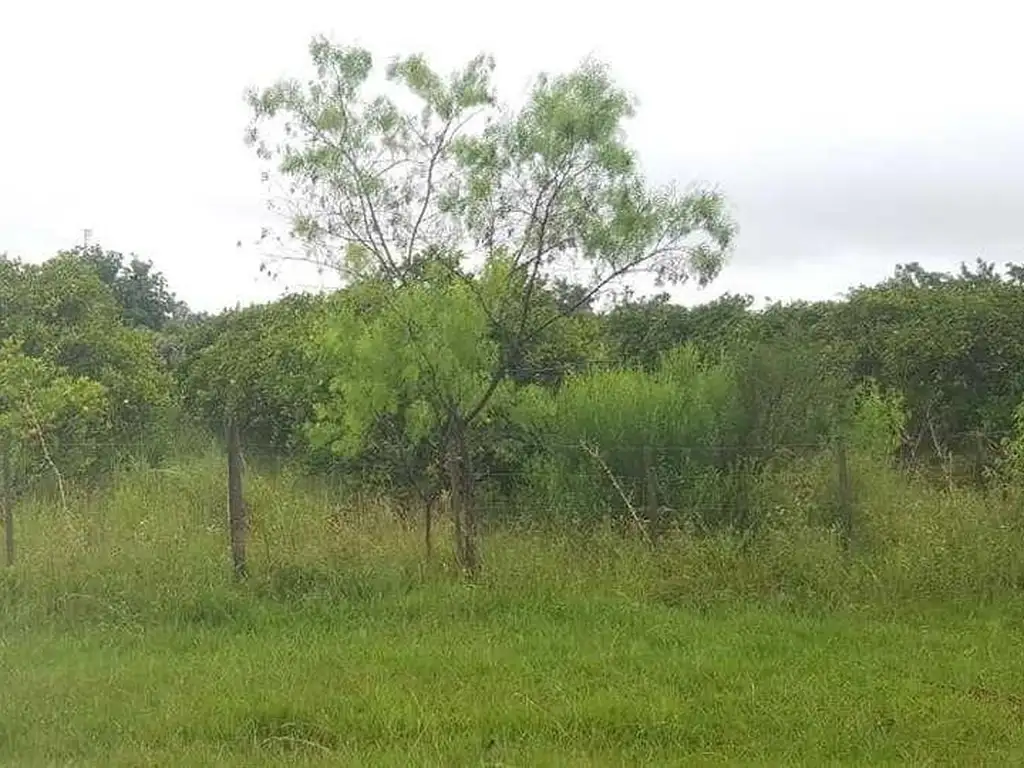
124	642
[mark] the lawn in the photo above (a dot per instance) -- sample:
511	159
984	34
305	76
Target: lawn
453	677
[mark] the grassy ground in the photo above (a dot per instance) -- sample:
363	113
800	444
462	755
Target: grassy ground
123	642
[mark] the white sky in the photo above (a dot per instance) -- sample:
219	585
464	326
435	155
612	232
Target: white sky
849	136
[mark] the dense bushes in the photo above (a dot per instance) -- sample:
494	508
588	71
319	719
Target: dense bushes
708	418
690	443
953	346
76	380
950	344
675	424
730	395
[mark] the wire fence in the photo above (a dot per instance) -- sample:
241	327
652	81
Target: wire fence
144	445
646	485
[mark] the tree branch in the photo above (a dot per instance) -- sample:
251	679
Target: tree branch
370	220
496	379
37	428
427	193
596	289
640	524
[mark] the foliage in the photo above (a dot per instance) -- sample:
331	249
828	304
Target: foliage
879	421
555	179
951	345
467	204
1012	461
47	417
641	331
62	332
143	294
672	424
257	365
401	360
684	441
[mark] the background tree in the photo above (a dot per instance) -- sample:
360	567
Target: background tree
142	292
61	322
256	366
640	331
49	420
953	345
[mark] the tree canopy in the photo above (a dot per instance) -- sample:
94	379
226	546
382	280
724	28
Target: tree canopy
146	300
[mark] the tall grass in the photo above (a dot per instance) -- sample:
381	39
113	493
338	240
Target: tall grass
125	641
154	541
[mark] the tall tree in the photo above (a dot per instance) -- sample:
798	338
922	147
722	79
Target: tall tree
462	206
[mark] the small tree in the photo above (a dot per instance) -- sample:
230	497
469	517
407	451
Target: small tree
252	365
431	177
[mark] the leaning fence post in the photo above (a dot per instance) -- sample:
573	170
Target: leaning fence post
845	492
237	523
7	506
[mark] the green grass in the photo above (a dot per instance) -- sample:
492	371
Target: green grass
124	642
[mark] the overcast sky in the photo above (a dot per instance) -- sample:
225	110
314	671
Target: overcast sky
848	136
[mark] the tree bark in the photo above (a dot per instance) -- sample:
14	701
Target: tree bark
462	497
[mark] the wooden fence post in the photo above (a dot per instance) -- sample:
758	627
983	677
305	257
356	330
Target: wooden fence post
652	504
7	506
845	492
237	522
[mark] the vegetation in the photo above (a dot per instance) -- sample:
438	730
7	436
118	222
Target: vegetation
711	533
125	641
405	201
78	386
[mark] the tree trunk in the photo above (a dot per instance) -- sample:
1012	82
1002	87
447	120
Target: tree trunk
461	494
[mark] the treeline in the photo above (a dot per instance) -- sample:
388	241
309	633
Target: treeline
948	348
100	363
